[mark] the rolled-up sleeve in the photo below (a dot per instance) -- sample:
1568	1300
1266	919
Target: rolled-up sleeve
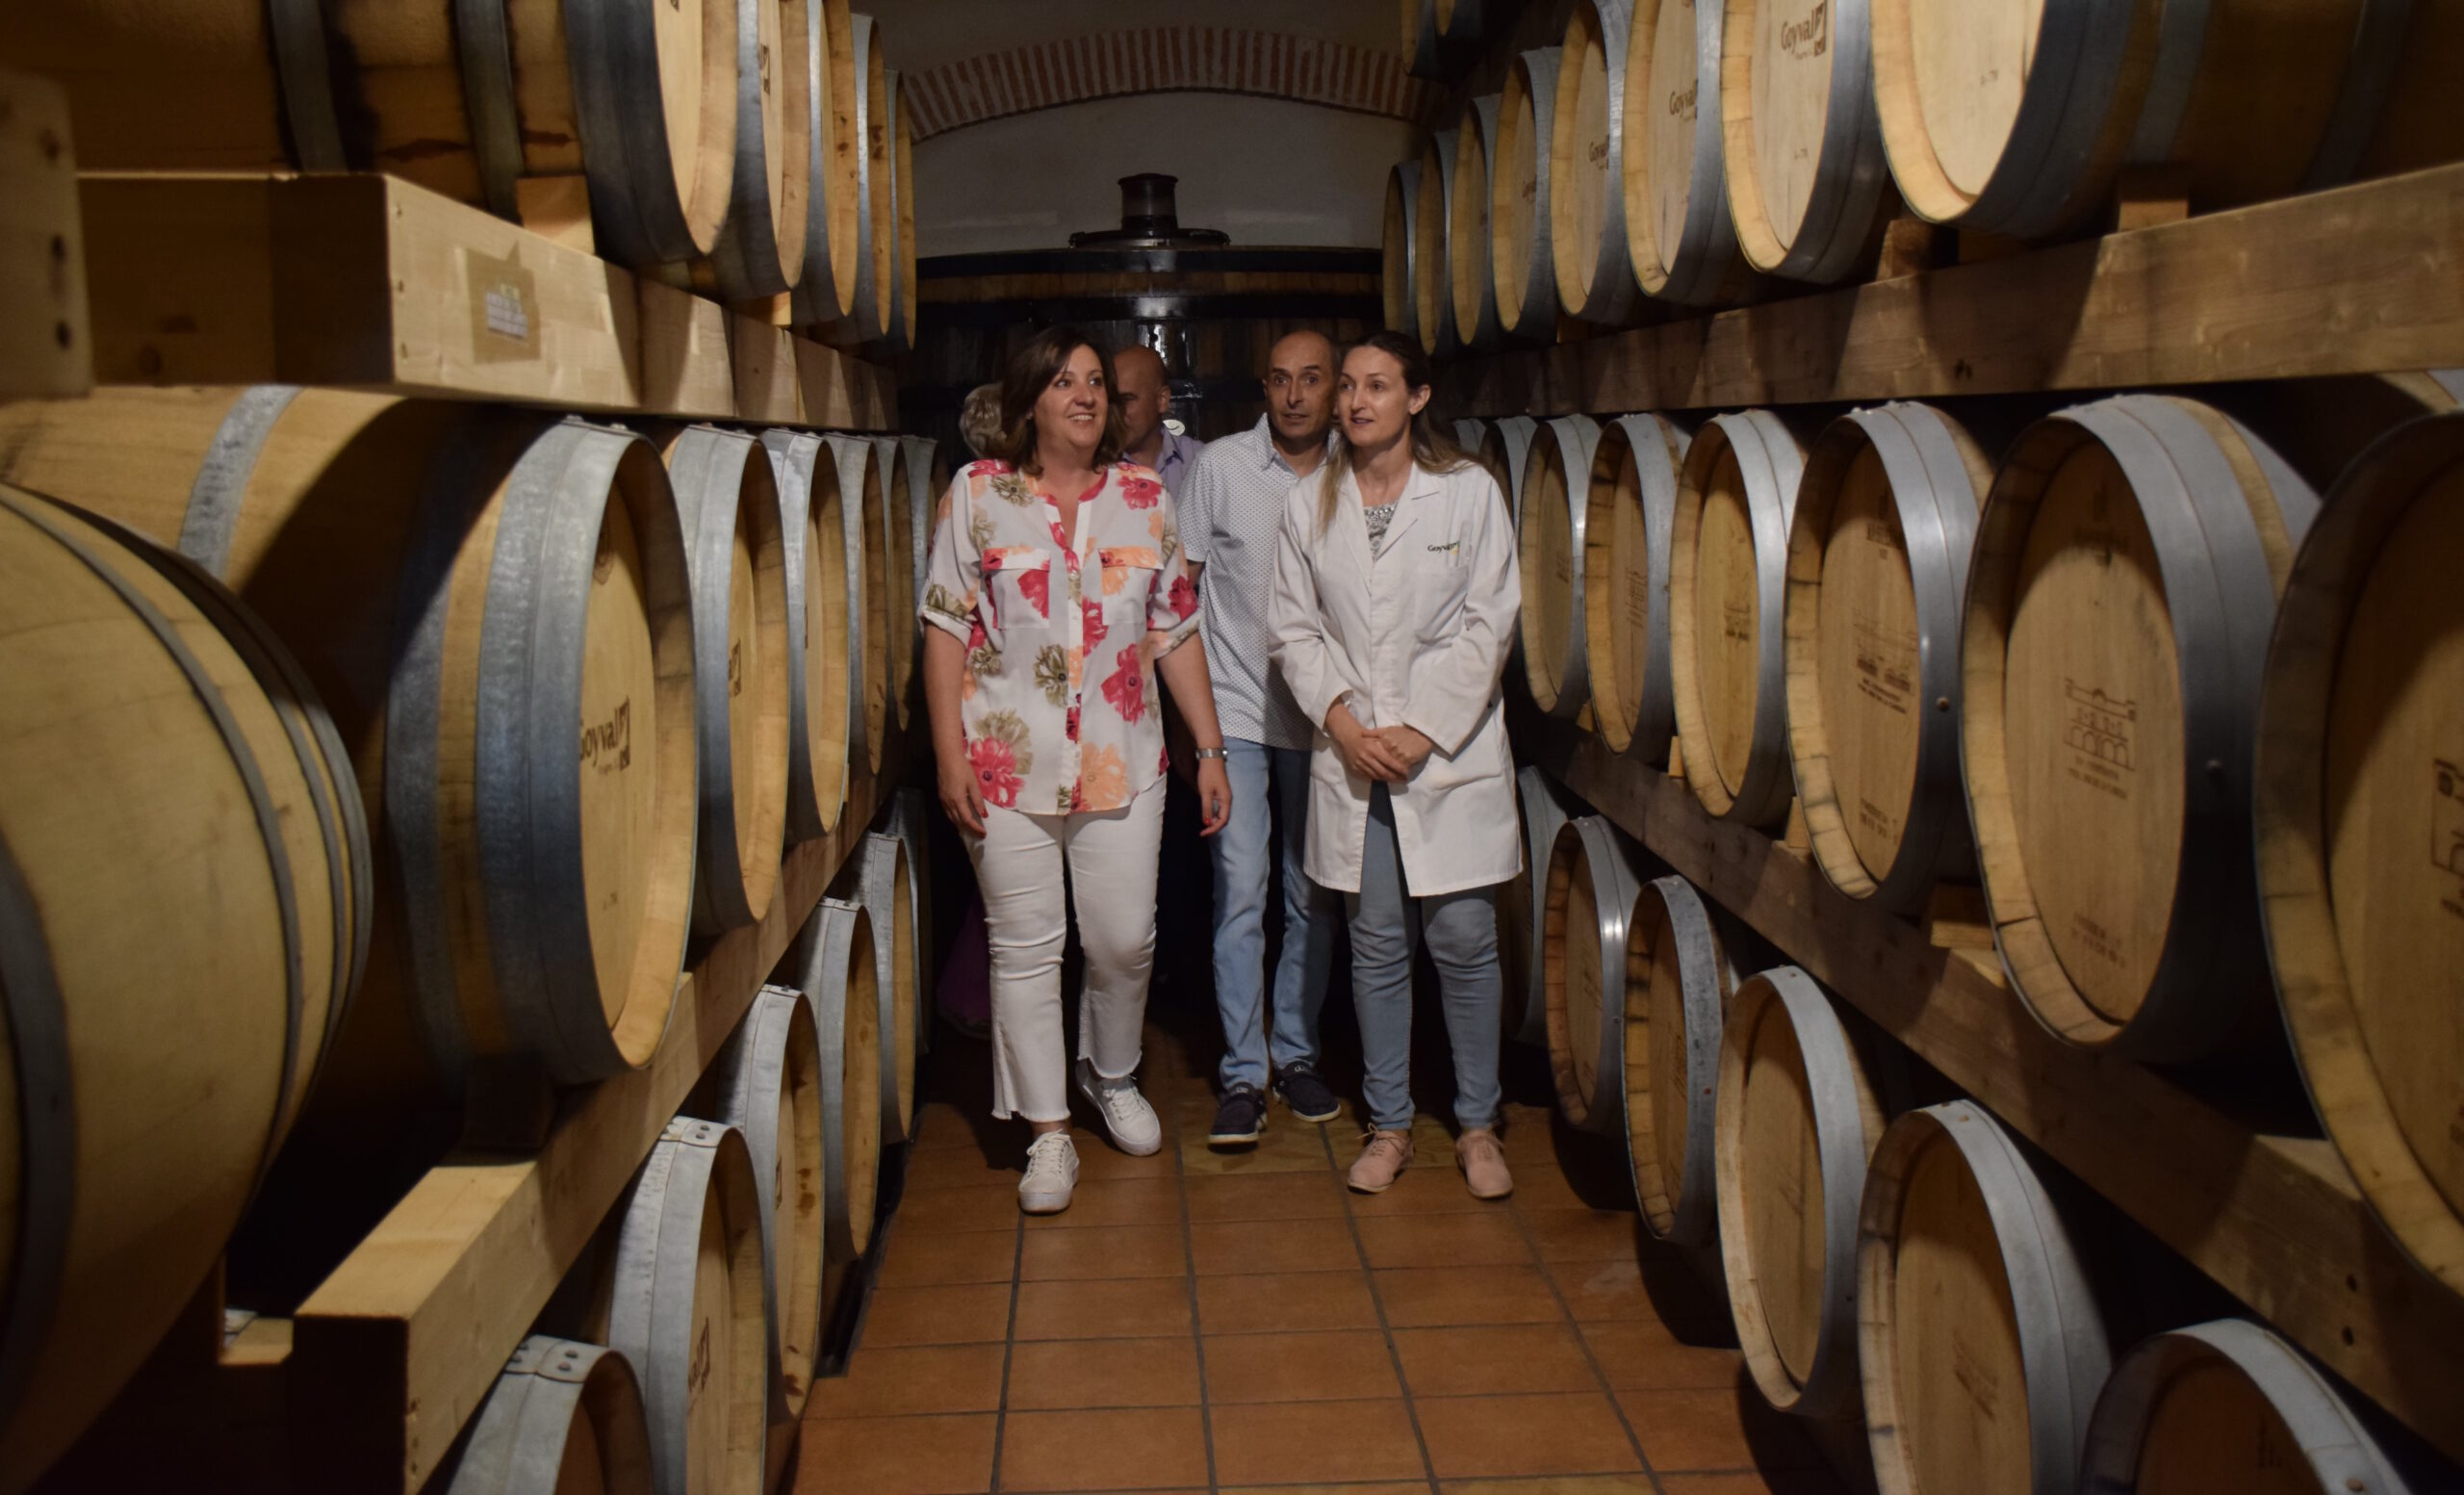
1450	695
955	569
1171	608
1298	624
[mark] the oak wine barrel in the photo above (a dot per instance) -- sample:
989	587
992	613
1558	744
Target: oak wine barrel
869	594
1556	509
728	504
682	1297
1981	1341
767	1083
184	909
1470	275
1593	876
1878	555
2015	117
902	627
826	584
463	99
2229	1407
1794	1121
1728	572
911	815
1542	809
902	201
1421	50
887	893
2125	578
832	963
877	269
1627	542
1806	170
1679	975
1502	445
1587	167
1523	265
1433	249
2362	708
825	289
495	605
1399	276
1679	230
760	251
564	1418
927	473
1463	20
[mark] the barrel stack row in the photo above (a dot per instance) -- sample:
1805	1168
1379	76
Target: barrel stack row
2180	713
424	741
1702	152
755	148
1912	1265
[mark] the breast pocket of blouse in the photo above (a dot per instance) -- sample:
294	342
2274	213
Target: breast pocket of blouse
1017	589
1129	573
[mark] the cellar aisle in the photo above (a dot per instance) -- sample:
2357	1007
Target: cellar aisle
1203	1321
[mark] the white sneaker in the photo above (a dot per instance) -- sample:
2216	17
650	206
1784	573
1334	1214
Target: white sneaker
1126	1114
1052	1174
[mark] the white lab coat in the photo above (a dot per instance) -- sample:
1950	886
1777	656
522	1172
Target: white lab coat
1418	636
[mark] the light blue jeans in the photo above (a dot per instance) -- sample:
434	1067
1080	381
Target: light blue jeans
1242	850
1387	925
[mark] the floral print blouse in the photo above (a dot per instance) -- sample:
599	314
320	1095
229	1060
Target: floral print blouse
1062	633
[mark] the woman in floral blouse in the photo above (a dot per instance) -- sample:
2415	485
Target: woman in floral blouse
1057	593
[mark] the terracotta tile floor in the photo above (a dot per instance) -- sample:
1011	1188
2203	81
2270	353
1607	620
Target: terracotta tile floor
1223	1322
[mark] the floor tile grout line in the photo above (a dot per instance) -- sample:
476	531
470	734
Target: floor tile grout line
1197	1332
1378	1304
1583	1342
1009	1351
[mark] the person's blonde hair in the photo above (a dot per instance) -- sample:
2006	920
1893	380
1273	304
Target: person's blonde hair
979	418
1433	451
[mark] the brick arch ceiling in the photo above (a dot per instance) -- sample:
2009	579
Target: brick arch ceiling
1161	59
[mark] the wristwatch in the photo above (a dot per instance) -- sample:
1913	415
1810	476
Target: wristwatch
1216	753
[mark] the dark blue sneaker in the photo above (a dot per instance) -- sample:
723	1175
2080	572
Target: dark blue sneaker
1308	1096
1239	1119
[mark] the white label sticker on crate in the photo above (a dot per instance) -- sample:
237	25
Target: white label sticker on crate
504	308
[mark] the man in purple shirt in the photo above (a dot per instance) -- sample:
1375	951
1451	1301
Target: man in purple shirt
1145	399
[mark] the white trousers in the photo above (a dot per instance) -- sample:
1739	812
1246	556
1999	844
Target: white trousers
1110	858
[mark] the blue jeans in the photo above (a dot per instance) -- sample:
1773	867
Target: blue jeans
1241	849
1387	924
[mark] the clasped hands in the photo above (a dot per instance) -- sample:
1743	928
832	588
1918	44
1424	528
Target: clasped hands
1391	754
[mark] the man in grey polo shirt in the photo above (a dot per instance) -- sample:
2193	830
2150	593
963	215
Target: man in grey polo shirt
1231	504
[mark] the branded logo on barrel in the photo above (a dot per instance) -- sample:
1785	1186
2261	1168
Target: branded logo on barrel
608	745
2446	826
2099	728
1809	37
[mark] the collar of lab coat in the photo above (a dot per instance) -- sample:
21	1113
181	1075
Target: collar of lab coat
1422	486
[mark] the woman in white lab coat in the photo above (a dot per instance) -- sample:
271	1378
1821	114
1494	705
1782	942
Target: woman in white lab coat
1395	595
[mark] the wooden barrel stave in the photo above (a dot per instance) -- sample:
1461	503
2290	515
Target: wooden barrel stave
1872	663
1543	810
767	1083
825	289
682	1298
1523	263
728	506
376	535
1727	687
1678	231
1471	275
160	750
877	270
832	963
1678	978
2228	1405
1432	227
910	820
868	597
460	98
824	702
1967	1275
760	247
902	626
1399	277
1805	185
1422	54
1793	1088
2240	102
564	1419
1593	874
885	889
1627	538
1554	513
1588	171
2136	933
2361	672
902	218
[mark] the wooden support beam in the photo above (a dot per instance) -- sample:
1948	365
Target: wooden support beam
2357	280
2275	1220
393	1354
368	282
